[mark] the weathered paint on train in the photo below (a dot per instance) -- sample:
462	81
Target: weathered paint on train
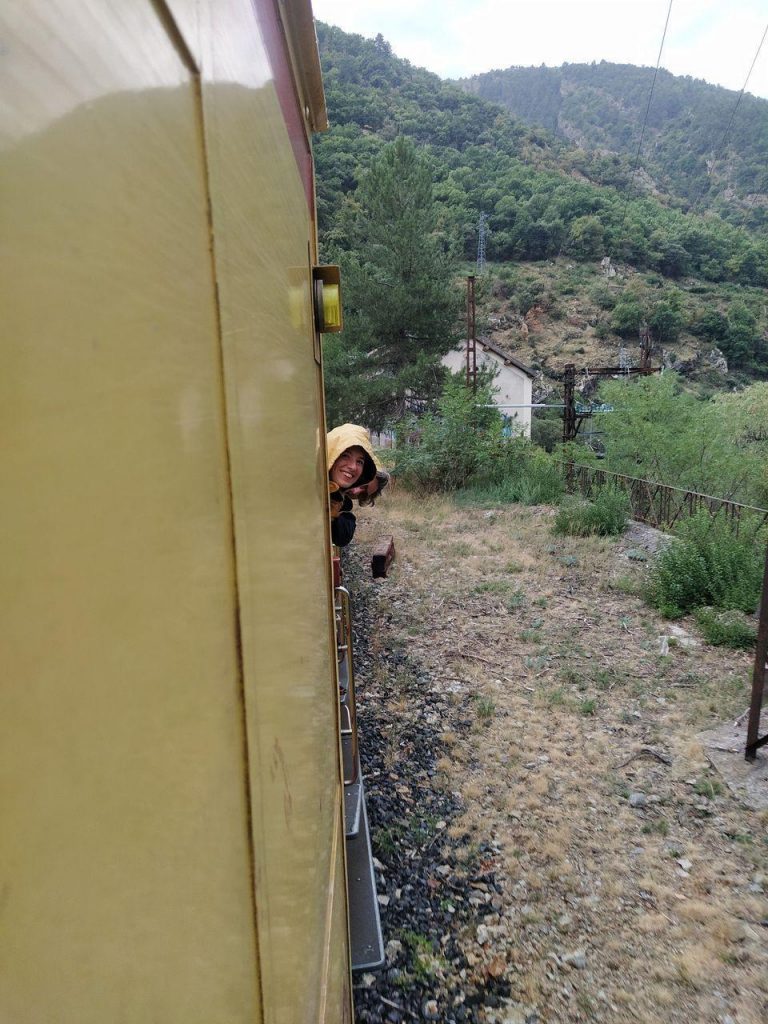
171	842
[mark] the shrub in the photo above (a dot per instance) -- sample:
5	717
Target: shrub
528	295
461	438
606	515
726	629
485	708
520	472
602	329
603	296
666	322
462	447
541	483
627	317
547	430
706	565
712	325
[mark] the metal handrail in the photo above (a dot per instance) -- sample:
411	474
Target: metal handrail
662	505
347	703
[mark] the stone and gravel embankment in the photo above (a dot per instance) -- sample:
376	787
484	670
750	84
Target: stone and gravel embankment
432	886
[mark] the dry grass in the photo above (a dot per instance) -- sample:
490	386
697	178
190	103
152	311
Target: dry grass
534	626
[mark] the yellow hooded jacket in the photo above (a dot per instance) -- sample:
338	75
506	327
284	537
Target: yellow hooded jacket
348	435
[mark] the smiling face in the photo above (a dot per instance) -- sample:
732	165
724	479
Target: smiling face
348	468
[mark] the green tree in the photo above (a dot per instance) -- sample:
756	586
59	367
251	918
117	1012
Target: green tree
672	258
744	416
401	301
747	414
712	325
627	317
742	341
749	266
666	321
586	238
461	438
662	433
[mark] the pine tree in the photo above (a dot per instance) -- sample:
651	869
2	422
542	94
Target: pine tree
401	300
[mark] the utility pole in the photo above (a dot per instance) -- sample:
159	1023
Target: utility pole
570	426
759	677
646	346
471	335
572	419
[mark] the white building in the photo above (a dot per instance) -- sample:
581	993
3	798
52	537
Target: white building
513	381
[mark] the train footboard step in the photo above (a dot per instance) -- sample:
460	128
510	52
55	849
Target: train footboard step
353	793
364	924
382	558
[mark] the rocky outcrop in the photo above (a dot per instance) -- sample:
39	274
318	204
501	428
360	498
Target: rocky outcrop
714	359
717	361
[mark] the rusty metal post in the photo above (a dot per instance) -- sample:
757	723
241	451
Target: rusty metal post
471	335
569	407
759	676
646	346
569	418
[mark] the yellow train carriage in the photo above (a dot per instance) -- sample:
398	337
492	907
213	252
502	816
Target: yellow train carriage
171	834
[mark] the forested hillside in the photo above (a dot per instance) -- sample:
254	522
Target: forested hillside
554	210
701	145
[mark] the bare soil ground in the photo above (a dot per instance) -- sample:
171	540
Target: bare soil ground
634	885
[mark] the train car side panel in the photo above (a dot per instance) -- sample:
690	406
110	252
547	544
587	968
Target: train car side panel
264	245
125	854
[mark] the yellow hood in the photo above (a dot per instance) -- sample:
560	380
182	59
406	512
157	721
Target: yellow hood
350	435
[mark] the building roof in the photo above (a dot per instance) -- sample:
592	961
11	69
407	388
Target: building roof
508	359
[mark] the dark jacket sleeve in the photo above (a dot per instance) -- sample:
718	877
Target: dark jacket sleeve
343	528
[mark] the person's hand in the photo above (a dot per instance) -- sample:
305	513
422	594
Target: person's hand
359	492
367	492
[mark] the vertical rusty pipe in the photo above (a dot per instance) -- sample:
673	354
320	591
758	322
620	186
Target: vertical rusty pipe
758	675
471	334
569	409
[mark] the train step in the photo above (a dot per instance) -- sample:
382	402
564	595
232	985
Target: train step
364	923
353	792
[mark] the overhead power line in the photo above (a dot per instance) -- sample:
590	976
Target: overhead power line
645	122
650	95
744	88
721	148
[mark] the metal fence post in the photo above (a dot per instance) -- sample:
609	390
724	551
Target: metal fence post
759	676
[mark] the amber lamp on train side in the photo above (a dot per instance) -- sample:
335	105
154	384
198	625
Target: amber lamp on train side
326	282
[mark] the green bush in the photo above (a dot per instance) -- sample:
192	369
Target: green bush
602	329
520	472
603	296
706	565
606	515
547	429
462	447
666	322
540	483
527	295
441	451
627	317
726	628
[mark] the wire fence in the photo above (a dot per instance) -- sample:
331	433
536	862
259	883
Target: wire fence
661	505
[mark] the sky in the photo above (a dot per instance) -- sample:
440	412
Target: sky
711	39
